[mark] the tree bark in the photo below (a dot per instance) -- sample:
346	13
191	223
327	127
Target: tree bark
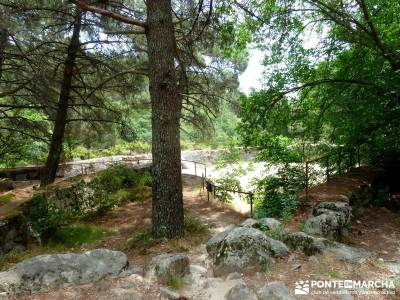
3	44
166	104
49	172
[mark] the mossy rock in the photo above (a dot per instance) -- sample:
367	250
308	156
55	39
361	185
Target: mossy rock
4	199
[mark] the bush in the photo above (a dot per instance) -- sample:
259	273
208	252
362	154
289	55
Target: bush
78	234
120	176
231	155
46	216
194	225
58	207
276	196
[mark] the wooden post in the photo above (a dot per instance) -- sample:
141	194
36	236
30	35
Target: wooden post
307	180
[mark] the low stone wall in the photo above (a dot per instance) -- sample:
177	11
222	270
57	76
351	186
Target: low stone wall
78	167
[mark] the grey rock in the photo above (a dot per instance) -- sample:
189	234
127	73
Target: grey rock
234	275
270	223
164	266
350	254
250	223
313	259
169	294
196	269
131	269
307	243
274	291
330	219
393	266
262	224
243	249
44	272
215	241
240	292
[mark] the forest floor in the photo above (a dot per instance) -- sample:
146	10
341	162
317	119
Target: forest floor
378	230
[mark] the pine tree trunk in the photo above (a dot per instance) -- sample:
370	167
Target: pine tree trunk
167	211
49	172
3	44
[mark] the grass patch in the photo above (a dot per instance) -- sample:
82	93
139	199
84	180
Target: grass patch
141	240
78	234
175	282
194	225
6	198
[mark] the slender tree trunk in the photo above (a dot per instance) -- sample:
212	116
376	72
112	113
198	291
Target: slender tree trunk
53	158
167	211
3	44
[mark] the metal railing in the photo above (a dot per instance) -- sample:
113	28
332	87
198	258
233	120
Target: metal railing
333	161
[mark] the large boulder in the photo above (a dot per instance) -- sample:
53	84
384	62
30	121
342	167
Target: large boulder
6	184
240	292
243	249
165	266
331	219
274	291
44	272
308	244
216	240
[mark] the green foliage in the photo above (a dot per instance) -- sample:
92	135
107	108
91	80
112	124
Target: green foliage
224	187
78	235
4	199
230	155
194	225
342	90
82	200
81	152
120	176
45	216
276	196
141	240
175	282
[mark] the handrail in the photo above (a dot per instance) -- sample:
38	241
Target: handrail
329	168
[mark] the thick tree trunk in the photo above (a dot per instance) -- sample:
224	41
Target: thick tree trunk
55	149
167	211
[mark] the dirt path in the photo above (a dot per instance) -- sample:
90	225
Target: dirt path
378	231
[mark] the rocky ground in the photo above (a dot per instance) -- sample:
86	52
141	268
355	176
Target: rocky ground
256	260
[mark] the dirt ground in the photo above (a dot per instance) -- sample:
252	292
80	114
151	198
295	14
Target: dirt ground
378	231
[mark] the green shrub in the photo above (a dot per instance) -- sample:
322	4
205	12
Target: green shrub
119	176
276	196
78	234
175	282
4	199
46	216
231	155
194	225
59	207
